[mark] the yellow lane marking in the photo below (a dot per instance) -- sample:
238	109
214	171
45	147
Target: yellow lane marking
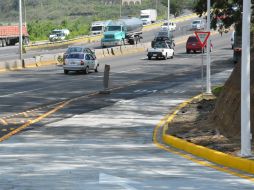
3	121
4	130
164	123
34	121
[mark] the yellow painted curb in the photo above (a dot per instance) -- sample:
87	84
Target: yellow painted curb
214	156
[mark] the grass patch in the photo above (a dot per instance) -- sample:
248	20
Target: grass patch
217	90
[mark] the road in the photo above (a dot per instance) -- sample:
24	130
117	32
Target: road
12	52
104	142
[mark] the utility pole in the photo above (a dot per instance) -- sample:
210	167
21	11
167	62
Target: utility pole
24	11
168	14
20	32
121	8
245	82
208	49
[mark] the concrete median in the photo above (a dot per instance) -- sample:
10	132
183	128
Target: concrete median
10	65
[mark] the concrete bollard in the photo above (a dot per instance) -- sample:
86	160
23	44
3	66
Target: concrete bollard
106	80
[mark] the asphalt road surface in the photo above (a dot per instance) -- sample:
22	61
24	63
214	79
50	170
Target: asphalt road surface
105	141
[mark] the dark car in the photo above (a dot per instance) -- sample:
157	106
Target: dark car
164	36
193	44
78	49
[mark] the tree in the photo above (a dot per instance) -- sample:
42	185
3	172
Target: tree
176	6
225	12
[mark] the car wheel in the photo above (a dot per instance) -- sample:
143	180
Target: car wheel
166	56
96	69
187	51
86	71
66	72
194	51
149	57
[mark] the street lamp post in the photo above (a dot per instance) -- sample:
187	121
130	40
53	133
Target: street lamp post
20	32
168	14
208	56
120	8
245	82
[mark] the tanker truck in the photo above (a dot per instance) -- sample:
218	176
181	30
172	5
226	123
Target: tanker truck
122	31
9	35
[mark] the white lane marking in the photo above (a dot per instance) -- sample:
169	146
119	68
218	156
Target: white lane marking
109	179
145	91
130	70
22	92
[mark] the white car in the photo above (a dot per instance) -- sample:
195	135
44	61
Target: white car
198	25
84	62
161	50
169	25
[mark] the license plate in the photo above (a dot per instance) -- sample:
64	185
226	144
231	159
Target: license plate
154	54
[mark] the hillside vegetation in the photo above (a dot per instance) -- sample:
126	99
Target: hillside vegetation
44	15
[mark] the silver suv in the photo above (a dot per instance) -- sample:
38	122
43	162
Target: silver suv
198	25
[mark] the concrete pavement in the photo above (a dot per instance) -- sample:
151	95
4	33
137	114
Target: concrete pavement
109	148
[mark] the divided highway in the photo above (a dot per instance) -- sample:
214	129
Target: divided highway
12	52
70	137
104	142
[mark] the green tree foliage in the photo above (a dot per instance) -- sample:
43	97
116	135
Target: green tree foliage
42	16
226	12
176	6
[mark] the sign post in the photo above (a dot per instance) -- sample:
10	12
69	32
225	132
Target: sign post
202	38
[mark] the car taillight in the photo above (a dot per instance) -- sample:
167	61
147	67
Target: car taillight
82	63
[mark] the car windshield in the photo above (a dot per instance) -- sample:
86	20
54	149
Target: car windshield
75	56
192	39
160	45
96	28
196	22
144	16
166	24
165	34
114	28
74	49
56	32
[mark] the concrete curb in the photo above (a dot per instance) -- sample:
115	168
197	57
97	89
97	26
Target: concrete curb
214	156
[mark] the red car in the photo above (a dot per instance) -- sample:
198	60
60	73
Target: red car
193	44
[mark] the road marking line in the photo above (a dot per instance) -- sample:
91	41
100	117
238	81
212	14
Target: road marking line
30	122
163	123
22	92
4	122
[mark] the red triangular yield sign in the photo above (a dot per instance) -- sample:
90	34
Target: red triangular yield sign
202	37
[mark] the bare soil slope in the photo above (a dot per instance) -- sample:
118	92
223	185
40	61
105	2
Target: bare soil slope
228	108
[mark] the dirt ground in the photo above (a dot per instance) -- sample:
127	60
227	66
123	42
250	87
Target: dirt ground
194	124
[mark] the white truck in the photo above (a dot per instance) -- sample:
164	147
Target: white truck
148	16
58	35
98	27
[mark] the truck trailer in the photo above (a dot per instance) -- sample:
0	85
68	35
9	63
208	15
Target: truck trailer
122	31
148	16
9	35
